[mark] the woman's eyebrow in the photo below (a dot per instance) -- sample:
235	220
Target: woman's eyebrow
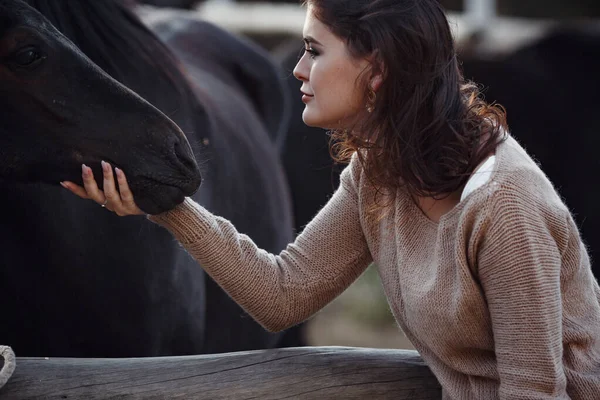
310	39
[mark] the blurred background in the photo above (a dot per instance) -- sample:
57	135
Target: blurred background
538	58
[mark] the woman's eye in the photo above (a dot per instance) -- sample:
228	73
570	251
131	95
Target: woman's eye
27	57
313	53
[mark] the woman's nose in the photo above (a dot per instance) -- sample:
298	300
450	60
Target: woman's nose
301	70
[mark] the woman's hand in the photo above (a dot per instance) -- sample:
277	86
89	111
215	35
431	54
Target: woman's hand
120	202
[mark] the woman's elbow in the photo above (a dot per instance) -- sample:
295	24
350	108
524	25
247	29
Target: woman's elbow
278	322
276	326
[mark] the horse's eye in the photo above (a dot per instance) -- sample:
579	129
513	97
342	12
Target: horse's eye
27	57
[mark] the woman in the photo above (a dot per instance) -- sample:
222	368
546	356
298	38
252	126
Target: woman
481	262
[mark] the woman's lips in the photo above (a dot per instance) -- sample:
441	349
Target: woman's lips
306	97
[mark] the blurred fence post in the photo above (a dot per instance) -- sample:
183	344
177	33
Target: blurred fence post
479	13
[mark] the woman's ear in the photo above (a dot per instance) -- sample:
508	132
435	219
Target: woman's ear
376	81
377	71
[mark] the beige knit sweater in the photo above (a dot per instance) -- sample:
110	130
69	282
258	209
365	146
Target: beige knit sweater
498	297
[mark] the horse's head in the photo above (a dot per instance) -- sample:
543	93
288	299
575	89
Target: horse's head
59	110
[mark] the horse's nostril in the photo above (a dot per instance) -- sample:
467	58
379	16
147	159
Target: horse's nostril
184	157
187	162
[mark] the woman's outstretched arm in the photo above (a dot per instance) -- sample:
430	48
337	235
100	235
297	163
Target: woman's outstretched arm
277	290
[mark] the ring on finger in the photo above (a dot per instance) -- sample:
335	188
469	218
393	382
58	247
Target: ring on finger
103	205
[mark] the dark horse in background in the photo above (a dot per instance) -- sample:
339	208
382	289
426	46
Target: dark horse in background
77	280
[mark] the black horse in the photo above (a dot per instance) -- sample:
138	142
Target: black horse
77	280
57	107
208	51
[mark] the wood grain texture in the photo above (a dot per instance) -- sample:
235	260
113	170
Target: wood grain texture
7	364
293	373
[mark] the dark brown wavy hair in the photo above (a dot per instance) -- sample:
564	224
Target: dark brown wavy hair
429	128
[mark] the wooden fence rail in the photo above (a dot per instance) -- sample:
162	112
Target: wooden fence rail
294	373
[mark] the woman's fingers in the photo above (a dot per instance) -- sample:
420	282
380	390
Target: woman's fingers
110	190
91	188
119	201
76	189
126	196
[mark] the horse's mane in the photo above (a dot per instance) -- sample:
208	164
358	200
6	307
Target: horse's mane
114	38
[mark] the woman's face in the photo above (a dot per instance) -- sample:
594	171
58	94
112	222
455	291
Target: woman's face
329	74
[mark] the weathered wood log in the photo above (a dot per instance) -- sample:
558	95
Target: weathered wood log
295	373
7	364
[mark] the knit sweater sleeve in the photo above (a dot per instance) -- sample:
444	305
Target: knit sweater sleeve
279	291
519	267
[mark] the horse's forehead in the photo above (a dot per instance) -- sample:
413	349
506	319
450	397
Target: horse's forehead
16	12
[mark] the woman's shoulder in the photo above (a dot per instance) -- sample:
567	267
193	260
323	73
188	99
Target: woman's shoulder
518	188
518	174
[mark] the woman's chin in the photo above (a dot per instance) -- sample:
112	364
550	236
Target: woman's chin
313	121
317	121
306	118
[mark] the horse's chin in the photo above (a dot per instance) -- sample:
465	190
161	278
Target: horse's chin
157	200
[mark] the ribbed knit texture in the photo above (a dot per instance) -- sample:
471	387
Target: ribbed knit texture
498	296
